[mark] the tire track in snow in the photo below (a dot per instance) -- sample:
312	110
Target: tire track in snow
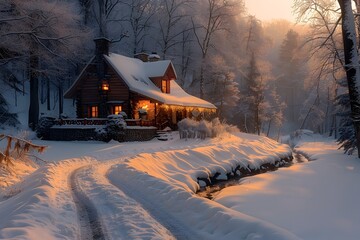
177	229
90	223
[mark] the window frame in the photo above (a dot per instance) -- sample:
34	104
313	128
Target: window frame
94	111
114	109
164	87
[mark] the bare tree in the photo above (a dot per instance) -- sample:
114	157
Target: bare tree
39	33
215	19
139	16
172	18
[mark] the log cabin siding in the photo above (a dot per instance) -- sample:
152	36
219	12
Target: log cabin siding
119	91
88	92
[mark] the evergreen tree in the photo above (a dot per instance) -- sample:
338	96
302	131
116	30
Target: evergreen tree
251	97
346	139
290	74
352	67
6	118
222	89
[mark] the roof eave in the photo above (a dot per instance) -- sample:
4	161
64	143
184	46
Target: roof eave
72	89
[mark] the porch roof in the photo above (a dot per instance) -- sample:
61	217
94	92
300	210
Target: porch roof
137	75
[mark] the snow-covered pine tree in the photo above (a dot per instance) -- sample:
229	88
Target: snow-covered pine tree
346	139
251	95
351	64
6	118
221	88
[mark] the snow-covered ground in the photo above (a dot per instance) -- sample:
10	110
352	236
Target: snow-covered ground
145	190
314	200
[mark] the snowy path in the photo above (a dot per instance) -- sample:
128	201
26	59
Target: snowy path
91	227
178	229
122	216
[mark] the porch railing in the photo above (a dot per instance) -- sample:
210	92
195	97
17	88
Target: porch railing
82	121
102	121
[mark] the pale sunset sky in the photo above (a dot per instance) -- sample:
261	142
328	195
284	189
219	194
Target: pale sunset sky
270	9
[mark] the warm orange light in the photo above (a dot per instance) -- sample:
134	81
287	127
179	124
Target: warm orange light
94	111
117	109
163	86
105	86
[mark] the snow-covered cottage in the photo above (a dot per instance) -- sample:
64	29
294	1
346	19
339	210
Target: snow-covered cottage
143	87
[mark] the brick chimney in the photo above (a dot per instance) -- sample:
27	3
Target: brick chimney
153	57
143	56
102	46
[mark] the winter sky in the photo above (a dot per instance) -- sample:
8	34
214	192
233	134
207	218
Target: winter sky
267	10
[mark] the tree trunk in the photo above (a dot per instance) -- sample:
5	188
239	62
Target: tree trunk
34	92
202	77
268	130
48	106
351	64
61	100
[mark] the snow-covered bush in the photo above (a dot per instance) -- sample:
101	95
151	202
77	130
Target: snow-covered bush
189	128
123	114
44	124
114	129
204	129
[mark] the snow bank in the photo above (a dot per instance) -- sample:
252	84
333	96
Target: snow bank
183	167
13	173
314	200
42	205
169	180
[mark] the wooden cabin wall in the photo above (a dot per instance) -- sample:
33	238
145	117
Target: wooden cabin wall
119	91
88	94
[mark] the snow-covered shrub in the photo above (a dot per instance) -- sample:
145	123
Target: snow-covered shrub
204	129
217	127
189	128
123	114
114	129
44	124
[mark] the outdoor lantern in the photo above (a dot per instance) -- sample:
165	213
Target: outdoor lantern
104	85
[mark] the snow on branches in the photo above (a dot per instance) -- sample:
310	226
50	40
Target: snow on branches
17	149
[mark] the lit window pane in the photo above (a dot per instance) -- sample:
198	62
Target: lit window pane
94	111
117	109
163	86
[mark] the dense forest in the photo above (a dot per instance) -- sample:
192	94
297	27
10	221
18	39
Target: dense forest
264	77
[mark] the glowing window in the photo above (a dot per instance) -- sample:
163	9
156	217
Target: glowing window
117	109
163	86
94	111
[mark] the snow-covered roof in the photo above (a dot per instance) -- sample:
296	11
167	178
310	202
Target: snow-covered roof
137	75
156	69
